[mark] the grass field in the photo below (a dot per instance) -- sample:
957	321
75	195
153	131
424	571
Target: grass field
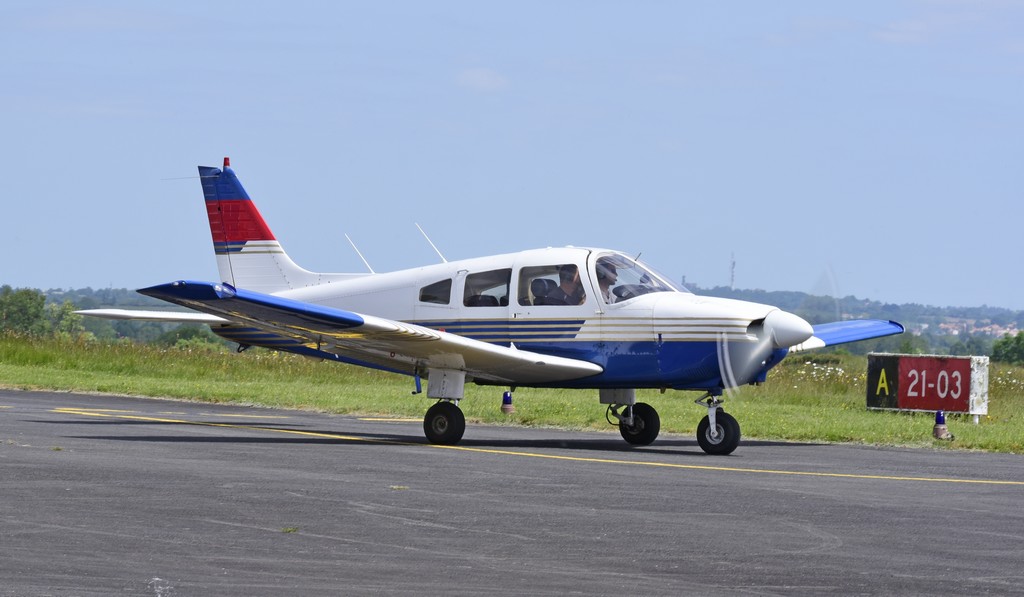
820	399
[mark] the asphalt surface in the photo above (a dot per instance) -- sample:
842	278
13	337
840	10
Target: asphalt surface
104	495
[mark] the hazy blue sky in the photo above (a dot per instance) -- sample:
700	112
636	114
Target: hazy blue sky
864	148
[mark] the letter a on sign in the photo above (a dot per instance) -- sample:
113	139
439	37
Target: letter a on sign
882	383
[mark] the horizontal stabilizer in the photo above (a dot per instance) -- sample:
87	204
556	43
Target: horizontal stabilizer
841	332
162	316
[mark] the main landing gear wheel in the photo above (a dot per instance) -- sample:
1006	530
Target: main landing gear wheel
726	436
444	424
645	428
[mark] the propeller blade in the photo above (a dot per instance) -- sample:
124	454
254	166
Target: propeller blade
741	363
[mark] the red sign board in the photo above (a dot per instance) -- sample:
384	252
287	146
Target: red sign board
920	383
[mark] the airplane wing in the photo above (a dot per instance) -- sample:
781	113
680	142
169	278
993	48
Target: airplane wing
841	332
363	339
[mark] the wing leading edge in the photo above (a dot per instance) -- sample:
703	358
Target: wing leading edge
383	342
841	332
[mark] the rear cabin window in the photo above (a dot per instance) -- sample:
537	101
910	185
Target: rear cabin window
438	292
487	289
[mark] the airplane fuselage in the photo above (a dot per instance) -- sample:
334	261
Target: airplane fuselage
642	329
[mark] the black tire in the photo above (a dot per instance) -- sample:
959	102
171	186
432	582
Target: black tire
444	424
728	434
645	428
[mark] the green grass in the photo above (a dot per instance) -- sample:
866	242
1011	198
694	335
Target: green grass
821	400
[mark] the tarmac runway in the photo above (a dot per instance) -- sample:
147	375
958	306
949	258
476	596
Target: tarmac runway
103	495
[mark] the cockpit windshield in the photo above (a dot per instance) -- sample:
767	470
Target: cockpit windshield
621	278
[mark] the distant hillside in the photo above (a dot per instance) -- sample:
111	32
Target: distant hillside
993	321
103	298
936	330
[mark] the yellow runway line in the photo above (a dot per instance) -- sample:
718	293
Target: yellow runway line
662	465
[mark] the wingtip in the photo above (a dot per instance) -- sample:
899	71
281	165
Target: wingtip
190	290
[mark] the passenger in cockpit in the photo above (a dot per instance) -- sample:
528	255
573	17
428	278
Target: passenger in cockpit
569	290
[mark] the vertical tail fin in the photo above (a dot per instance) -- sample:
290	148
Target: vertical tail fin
248	254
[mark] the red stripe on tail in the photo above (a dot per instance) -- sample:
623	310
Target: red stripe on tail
236	220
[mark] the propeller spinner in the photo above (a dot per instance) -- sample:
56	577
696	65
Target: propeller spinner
786	329
741	364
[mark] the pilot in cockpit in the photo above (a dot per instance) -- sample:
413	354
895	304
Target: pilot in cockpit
607	275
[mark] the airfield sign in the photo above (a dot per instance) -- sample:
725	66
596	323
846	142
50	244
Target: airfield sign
928	383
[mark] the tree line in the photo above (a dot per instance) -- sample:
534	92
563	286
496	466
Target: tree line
33	312
26	311
30	312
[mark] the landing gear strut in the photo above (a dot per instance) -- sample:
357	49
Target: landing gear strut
639	423
444	423
718	433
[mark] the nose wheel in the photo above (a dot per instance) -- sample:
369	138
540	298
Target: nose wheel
718	433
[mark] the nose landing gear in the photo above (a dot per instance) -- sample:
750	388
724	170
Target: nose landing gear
718	433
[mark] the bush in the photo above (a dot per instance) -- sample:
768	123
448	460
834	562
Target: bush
1009	349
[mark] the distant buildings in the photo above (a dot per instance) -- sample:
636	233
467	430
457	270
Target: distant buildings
966	327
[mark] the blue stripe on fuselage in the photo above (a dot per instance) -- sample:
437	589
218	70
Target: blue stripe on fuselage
505	331
682	365
632	364
641	364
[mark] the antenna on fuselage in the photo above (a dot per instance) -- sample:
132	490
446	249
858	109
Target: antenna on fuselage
432	244
354	247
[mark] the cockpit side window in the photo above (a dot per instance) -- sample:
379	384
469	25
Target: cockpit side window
438	292
487	289
556	284
620	279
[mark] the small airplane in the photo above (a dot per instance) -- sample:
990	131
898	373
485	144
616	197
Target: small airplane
569	317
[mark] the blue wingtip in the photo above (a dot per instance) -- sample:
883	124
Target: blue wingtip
189	290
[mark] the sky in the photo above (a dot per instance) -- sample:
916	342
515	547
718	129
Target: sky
866	148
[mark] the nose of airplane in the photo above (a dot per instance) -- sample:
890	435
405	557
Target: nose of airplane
786	329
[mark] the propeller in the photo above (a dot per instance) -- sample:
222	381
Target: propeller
821	303
742	363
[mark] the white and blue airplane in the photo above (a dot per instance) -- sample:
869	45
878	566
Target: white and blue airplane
569	317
